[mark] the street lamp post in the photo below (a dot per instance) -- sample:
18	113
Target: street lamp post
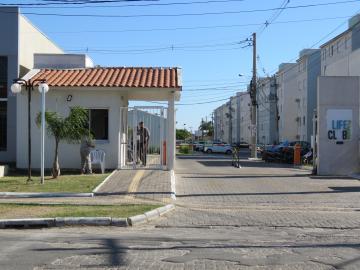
29	86
43	88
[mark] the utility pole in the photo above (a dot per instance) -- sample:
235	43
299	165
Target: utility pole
253	102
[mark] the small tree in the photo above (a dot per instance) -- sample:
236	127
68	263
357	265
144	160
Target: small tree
207	127
182	134
71	129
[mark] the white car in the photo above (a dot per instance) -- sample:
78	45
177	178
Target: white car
218	148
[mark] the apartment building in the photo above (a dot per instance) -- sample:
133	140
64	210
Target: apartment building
287	93
221	123
308	70
244	117
340	56
232	119
267	115
21	40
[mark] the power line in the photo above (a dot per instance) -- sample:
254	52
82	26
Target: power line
194	27
185	14
273	17
81	4
159	49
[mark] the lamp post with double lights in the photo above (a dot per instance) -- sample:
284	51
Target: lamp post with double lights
29	86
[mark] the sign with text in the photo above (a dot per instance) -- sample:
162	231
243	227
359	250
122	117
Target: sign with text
339	124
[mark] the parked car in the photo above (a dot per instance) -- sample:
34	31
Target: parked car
218	148
199	146
284	152
242	144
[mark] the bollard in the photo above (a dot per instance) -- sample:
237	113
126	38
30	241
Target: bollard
164	153
297	154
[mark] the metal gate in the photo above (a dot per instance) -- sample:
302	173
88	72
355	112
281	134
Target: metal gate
135	151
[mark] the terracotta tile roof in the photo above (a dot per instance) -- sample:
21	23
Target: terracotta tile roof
141	77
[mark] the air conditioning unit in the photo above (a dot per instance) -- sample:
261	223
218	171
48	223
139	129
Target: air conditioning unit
297	99
298	119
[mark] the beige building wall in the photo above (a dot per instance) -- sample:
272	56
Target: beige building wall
31	41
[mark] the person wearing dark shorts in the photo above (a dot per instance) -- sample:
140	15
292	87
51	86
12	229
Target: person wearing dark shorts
143	142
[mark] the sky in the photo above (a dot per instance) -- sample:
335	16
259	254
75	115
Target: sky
206	38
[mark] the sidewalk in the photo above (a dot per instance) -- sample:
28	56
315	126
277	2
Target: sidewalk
140	183
122	187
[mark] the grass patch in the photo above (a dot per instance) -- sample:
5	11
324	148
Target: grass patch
64	183
9	210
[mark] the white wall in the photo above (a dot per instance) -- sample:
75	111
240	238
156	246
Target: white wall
335	158
69	154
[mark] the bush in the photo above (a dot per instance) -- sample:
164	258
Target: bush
184	149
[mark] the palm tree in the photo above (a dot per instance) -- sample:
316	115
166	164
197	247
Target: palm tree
70	129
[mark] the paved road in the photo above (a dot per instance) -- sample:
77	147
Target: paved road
256	217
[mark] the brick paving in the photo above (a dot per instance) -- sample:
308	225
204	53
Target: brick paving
262	216
153	185
212	193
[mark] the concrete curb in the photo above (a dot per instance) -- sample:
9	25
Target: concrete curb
43	194
28	223
103	182
146	217
355	176
87	221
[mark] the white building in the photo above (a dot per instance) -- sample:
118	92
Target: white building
106	93
232	119
340	56
287	94
308	67
266	111
244	116
221	123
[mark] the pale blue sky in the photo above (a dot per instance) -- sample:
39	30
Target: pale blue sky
208	53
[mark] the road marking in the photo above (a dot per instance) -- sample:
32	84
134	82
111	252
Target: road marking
135	182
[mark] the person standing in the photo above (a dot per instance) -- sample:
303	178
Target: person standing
87	144
143	142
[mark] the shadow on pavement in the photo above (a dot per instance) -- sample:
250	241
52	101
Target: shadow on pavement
346	189
244	163
216	176
268	193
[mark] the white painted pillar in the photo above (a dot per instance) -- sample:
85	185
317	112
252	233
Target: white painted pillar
170	147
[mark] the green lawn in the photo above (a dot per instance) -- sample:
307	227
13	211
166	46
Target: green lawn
9	210
65	183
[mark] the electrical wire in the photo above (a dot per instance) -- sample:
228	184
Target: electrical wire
80	4
185	14
194	27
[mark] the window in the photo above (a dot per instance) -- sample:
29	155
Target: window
346	42
99	123
3	124
3	103
304	120
332	50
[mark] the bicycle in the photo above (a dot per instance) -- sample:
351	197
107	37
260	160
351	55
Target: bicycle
236	157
